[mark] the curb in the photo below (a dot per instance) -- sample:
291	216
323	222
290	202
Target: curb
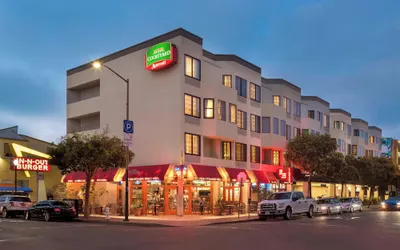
111	222
231	222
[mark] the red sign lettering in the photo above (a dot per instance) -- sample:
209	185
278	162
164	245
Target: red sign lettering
31	164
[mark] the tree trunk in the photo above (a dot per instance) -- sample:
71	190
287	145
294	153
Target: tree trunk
309	186
341	191
371	193
381	192
87	195
334	192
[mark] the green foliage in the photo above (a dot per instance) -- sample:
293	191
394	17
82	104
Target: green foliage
341	171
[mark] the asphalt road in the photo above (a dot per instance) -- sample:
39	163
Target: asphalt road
367	230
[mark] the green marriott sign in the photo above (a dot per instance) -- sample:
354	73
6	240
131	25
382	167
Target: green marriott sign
160	56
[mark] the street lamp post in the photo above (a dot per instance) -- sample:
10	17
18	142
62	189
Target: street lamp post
98	65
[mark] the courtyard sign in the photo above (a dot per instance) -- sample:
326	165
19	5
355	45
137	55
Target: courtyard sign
160	56
31	164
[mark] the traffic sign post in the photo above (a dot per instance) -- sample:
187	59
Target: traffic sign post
128	132
241	177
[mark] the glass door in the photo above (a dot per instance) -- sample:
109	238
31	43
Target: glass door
171	193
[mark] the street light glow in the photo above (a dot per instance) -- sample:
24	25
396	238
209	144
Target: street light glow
15	162
96	65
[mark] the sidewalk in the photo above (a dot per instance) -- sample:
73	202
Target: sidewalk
171	220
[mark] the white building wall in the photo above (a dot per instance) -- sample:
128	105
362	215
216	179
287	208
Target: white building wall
343	137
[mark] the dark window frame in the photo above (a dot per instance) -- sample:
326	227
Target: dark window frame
192	97
230	113
223	81
244	119
205	108
199	137
243	150
221	111
223	143
256	123
193	59
258	154
257	90
239	87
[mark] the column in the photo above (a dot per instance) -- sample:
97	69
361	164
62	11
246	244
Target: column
179	198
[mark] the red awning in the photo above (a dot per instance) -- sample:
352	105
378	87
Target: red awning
99	176
154	172
271	176
204	172
261	176
233	173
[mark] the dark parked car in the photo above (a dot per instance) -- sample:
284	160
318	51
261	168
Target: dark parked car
49	210
393	203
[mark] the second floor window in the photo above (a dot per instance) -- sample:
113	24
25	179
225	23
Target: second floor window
208	108
227	81
276	126
336	124
192	144
342	126
241	119
192	67
287	105
255	123
221	110
192	105
348	129
283	128
277	100
266	124
254	154
356	132
326	121
240	151
371	139
226	150
297	109
311	114
232	113
255	92
241	86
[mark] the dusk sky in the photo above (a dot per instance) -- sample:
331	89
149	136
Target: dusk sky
344	51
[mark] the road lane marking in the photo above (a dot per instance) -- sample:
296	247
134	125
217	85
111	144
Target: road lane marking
17	239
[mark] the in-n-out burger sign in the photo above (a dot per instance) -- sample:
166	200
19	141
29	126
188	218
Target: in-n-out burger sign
285	175
31	164
160	56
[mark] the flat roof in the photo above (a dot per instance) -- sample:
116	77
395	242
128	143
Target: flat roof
375	127
280	81
359	120
162	38
140	46
233	58
340	111
314	98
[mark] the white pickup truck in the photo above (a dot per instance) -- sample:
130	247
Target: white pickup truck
286	204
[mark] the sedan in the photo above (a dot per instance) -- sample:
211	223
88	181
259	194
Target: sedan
329	206
393	203
51	209
351	204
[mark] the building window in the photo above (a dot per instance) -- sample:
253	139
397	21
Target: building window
348	129
275	158
297	109
255	123
241	86
283	128
287	104
192	67
232	113
241	152
371	139
354	149
255	92
221	110
311	114
192	105
277	100
255	154
276	126
336	124
288	132
356	132
319	116
208	108
242	119
342	126
266	124
326	121
296	131
192	144
227	81
226	150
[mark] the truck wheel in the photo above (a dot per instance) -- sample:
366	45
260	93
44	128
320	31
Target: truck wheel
46	216
351	209
310	213
4	213
288	214
27	216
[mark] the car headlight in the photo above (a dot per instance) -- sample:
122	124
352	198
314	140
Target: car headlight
398	203
383	204
323	208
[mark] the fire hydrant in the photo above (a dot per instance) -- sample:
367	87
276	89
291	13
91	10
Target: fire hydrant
107	213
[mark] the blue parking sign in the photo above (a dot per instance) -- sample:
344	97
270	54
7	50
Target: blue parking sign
128	127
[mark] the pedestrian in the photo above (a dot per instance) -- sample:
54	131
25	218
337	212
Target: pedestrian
202	204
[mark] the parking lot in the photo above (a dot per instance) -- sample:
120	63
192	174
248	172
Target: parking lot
367	230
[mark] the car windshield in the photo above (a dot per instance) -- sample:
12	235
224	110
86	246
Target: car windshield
323	201
395	198
345	200
20	199
280	196
59	203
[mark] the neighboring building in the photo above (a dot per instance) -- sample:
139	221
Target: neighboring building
340	129
31	182
374	147
317	119
360	136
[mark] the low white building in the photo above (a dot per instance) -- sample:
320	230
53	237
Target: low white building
317	119
374	146
340	129
359	139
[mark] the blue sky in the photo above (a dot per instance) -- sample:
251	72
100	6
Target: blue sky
346	52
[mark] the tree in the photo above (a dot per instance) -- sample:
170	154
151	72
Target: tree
385	172
309	152
81	152
341	171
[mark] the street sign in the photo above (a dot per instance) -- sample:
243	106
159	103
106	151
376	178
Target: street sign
242	177
128	133
128	127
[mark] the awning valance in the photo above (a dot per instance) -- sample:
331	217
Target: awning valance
261	176
204	172
12	189
271	177
99	176
233	173
153	172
